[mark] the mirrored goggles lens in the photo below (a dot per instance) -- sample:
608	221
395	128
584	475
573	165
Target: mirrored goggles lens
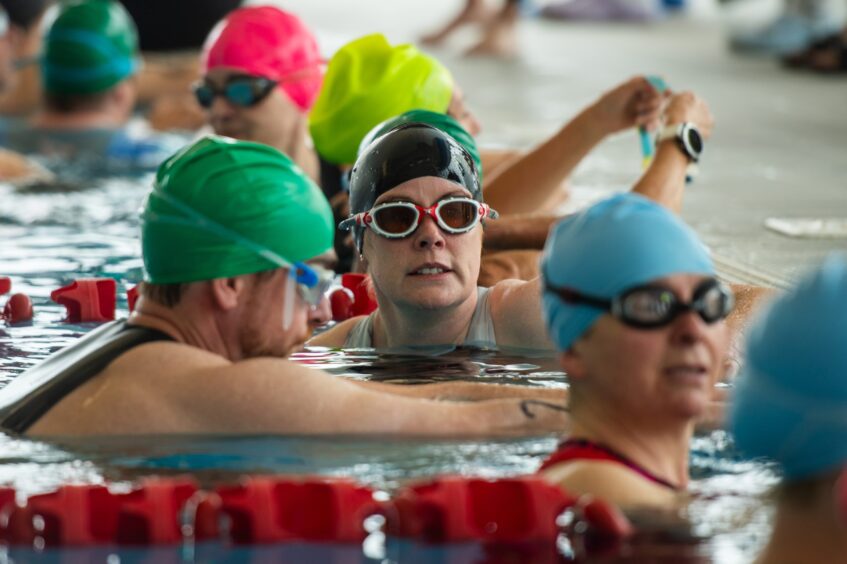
241	91
313	282
652	306
402	218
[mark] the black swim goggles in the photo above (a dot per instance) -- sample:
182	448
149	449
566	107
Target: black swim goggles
652	306
396	220
240	90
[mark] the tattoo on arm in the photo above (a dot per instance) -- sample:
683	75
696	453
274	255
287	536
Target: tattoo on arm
527	404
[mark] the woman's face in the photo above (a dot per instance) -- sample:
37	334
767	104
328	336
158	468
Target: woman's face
657	374
430	269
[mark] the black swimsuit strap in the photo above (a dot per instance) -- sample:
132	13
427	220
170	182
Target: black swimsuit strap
32	394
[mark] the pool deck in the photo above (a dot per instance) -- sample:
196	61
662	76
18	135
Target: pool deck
778	149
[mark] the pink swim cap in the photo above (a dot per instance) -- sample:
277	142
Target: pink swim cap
265	41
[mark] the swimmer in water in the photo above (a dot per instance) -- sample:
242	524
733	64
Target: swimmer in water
632	303
88	68
261	72
790	406
227	296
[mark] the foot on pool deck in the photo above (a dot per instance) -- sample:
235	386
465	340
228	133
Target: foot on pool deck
500	37
475	11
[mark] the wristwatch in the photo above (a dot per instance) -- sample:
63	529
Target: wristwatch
687	137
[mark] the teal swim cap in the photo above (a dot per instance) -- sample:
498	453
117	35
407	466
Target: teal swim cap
222	208
91	46
438	120
367	81
622	242
790	399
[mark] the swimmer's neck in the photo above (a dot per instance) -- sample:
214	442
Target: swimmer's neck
184	326
47	119
661	448
398	326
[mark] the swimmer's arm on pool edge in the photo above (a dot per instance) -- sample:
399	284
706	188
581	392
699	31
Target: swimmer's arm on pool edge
267	395
470	391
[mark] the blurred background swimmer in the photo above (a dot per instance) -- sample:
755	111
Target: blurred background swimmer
790	405
632	302
261	73
89	65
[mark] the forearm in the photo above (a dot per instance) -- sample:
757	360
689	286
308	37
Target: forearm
664	181
470	391
530	181
517	232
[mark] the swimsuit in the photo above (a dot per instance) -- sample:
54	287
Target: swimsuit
583	449
32	394
480	332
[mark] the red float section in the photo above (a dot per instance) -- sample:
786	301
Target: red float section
131	298
5	285
263	510
18	309
88	299
356	297
455	509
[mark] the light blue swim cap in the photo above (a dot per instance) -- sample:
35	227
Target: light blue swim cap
790	400
608	248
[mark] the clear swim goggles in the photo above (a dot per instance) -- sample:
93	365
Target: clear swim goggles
313	281
396	220
652	306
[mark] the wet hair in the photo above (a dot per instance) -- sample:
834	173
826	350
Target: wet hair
64	103
25	13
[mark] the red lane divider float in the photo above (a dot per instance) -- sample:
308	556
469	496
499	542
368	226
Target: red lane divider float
18	308
88	299
268	509
454	509
355	297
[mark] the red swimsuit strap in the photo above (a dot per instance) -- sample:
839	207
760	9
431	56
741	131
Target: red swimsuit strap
583	449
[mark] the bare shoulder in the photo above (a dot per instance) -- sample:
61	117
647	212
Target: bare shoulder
337	335
516	313
611	481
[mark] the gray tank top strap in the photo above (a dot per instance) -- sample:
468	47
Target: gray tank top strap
361	336
480	332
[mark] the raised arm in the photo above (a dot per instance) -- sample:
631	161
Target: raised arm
664	181
470	391
530	181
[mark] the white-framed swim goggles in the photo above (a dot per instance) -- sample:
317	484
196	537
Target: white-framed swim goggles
4	22
312	281
396	220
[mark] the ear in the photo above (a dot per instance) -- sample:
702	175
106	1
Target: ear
123	96
572	362
227	292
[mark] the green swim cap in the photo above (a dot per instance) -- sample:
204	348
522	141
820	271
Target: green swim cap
369	81
91	46
440	121
222	208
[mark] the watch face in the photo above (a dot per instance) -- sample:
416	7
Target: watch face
693	140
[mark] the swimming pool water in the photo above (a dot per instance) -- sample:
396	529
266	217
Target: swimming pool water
49	237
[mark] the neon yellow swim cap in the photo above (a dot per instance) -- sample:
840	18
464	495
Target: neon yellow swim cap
369	81
91	46
222	208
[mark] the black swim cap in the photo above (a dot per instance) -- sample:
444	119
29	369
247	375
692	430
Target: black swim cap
407	152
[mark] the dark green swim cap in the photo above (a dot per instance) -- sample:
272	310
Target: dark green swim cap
441	121
91	46
222	208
